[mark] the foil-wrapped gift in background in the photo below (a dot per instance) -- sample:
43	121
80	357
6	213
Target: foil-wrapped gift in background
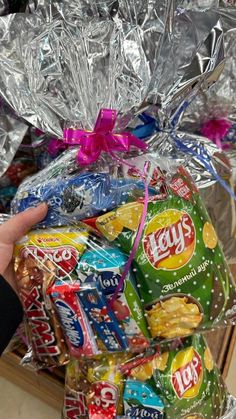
216	103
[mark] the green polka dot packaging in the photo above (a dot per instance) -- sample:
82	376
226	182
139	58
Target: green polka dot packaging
182	276
181	381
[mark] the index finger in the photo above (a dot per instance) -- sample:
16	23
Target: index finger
14	229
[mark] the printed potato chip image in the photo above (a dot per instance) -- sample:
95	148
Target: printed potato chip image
209	236
174	317
208	360
145	371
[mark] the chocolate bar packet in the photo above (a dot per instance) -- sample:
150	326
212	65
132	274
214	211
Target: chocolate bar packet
41	258
73	196
76	388
105	266
94	387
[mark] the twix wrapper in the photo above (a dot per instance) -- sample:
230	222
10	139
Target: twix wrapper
76	388
41	258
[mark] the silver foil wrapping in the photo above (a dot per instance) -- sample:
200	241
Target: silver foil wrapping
164	145
67	59
222	209
231	410
218	102
12	132
206	4
199	4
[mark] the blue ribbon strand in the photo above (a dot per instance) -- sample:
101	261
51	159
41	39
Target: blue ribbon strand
231	135
150	126
205	159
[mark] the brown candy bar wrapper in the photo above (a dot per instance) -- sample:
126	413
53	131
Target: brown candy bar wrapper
43	257
76	389
44	331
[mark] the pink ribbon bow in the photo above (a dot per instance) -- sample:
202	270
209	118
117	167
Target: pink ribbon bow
216	130
102	138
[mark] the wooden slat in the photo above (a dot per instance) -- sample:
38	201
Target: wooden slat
229	353
219	341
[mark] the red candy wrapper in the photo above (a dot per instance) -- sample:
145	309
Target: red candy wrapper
78	332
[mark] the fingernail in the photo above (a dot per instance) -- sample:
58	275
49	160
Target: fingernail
41	205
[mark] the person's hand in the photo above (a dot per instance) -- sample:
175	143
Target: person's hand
12	231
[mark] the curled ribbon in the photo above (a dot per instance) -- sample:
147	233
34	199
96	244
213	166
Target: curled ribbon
137	238
216	130
204	158
56	146
102	138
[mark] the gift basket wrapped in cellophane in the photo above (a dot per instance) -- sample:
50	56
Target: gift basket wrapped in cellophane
127	259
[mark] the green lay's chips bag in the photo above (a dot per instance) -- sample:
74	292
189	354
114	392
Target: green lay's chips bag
182	383
179	382
183	279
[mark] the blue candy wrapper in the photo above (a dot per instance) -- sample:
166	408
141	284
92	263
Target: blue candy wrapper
102	319
74	198
140	401
105	265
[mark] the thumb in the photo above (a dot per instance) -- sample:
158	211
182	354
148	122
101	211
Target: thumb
14	229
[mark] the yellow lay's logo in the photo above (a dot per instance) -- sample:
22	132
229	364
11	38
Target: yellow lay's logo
170	239
187	373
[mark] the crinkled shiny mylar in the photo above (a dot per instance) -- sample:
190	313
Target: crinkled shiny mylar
12	132
219	100
67	59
